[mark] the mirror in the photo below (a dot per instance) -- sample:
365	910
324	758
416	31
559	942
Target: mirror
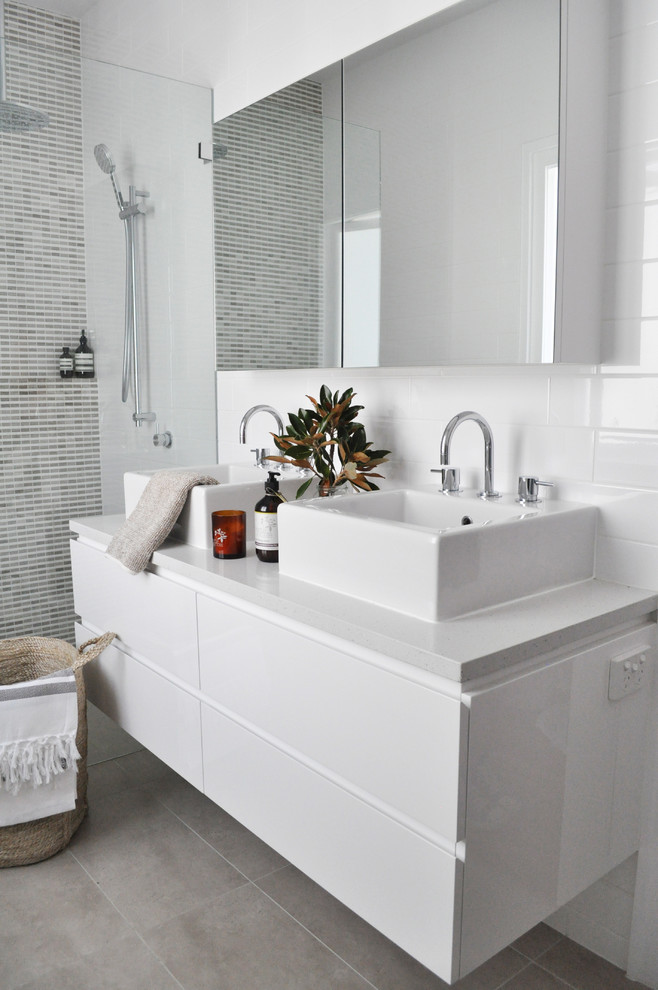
399	209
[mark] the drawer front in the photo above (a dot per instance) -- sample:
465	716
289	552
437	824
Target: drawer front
402	884
152	617
161	716
394	739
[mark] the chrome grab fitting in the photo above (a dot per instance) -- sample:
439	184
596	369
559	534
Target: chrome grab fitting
528	488
451	478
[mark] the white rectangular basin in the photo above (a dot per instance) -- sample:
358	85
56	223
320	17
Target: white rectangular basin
436	556
240	487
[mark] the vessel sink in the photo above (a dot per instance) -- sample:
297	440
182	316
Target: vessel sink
240	487
436	556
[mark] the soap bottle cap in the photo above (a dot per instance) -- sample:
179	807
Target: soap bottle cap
272	483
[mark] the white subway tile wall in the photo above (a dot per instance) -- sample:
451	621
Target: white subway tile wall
49	433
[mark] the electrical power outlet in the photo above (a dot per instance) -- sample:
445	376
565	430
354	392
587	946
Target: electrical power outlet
627	675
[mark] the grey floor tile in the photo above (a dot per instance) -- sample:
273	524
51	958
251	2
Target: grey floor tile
144	768
105	739
237	844
584	970
378	959
50	913
104	779
123	964
243	941
535	978
146	861
537	940
495	972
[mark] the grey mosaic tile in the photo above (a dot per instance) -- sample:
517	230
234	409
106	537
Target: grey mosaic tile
49	459
268	194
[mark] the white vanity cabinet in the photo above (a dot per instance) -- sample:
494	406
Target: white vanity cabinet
145	680
451	816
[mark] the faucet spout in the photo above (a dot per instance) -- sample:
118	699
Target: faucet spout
462	417
261	452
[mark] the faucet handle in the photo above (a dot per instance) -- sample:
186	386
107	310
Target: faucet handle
260	455
450	477
528	486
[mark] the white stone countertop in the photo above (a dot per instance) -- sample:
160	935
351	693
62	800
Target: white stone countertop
461	649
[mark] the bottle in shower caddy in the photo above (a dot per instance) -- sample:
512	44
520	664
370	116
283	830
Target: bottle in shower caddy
66	363
265	521
83	359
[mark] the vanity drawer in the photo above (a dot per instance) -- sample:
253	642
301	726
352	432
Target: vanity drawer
402	884
163	717
152	617
391	738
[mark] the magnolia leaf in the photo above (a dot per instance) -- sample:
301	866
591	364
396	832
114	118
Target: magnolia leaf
302	488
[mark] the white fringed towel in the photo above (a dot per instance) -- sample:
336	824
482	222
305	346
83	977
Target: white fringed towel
38	754
153	518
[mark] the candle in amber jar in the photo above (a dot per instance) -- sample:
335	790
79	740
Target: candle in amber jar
229	534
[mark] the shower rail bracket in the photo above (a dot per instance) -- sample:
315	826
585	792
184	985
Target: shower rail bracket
144	417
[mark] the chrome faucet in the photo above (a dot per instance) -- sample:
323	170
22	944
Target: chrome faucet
260	452
451	474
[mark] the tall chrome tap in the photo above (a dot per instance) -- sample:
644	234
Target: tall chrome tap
260	452
450	473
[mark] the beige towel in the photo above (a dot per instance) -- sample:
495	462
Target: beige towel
153	518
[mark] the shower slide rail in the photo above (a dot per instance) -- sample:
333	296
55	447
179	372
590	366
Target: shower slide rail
128	213
131	340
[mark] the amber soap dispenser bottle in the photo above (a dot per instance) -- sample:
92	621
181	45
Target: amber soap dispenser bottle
265	522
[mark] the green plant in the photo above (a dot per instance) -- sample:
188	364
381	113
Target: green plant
328	441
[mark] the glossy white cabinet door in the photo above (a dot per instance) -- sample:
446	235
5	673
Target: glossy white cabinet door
550	794
516	772
161	716
398	881
152	617
394	739
600	826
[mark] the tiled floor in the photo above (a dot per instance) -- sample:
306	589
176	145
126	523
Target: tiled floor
160	889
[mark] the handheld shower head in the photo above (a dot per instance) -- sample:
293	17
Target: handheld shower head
104	158
107	165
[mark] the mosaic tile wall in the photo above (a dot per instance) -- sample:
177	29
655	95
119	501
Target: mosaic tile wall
49	443
268	199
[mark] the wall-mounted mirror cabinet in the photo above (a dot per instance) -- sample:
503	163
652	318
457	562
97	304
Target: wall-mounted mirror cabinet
435	199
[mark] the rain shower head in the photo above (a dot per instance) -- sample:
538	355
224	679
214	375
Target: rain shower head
15	116
107	165
18	117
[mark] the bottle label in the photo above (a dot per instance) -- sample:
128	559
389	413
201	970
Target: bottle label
266	531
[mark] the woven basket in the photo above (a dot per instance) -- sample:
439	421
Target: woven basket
26	659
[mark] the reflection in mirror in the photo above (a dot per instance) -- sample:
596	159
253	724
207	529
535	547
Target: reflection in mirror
420	229
277	198
467	111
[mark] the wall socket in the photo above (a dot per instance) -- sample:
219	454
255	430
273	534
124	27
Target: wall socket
627	675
